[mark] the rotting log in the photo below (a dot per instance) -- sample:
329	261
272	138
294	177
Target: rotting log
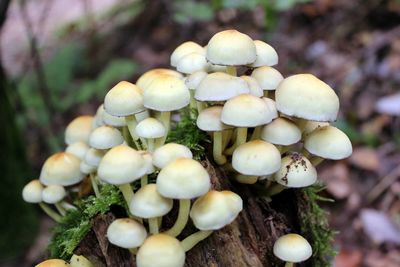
247	242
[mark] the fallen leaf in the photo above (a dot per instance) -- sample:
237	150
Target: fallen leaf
378	227
336	180
365	158
348	258
389	105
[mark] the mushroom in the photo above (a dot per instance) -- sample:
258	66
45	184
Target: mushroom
212	211
146	78
78	149
160	250
53	263
148	159
105	137
54	194
310	126
147	203
89	166
191	63
254	87
150	129
292	248
167	153
78	129
266	55
185	49
126	233
192	82
79	261
210	120
268	78
281	132
231	48
120	166
182	179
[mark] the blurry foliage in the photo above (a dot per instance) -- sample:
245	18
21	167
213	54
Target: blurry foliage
355	135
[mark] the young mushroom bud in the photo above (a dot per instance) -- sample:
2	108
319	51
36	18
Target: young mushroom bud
78	130
54	194
162	251
78	149
150	129
185	49
266	55
53	263
126	233
281	132
292	248
146	78
167	153
268	78
105	137
191	63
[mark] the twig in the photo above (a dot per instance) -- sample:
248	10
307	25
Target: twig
383	184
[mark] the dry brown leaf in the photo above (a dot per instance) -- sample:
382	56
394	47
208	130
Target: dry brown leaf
336	178
348	258
365	158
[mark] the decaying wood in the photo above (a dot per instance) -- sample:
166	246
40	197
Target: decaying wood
248	241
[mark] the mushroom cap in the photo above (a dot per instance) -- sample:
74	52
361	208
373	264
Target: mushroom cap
93	156
254	87
166	93
146	78
292	248
78	129
148	158
161	250
219	86
121	165
150	128
126	233
53	194
80	261
53	263
105	137
296	171
256	157
191	63
267	77
231	48
184	49
194	79
266	55
328	142
167	153
246	110
108	119
86	168
313	125
281	131
124	99
209	119
98	118
32	192
183	178
305	96
61	168
148	203
78	149
215	209
271	106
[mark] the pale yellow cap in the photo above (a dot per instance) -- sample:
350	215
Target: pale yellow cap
209	119
146	78
267	77
78	129
194	79
292	248
93	156
32	192
231	48
328	142
246	110
105	137
150	128
281	131
307	97
219	86
166	93
148	158
191	63
313	125
114	121
80	261
256	157
161	250
61	168
87	168
98	118
53	194
53	263
170	152
78	149
124	99
266	54
126	233
185	49
121	165
296	171
183	178
215	209
148	203
254	87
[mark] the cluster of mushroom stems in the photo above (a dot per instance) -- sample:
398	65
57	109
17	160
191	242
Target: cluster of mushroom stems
265	129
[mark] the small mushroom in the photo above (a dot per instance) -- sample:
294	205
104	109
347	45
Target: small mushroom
191	63
146	78
150	129
167	153
185	49
105	137
126	233
268	78
54	194
78	149
78	130
53	263
281	132
266	55
80	261
292	248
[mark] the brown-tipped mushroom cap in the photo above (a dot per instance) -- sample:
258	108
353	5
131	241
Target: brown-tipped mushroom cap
219	86
185	49
32	192
61	168
307	97
126	233
121	165
105	137
267	77
281	131
292	248
124	99
146	78
191	63
167	153
231	48
257	158
328	142
161	250
215	209
266	55
183	178
78	130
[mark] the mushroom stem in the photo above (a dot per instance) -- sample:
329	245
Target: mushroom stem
266	92
192	100
67	206
301	123
127	192
274	189
94	185
126	135
150	145
189	242
165	117
153	225
217	149
200	106
183	216
316	161
133	251
226	137
131	122
246	179
50	212
143	181
289	264
60	209
241	138
256	133
231	70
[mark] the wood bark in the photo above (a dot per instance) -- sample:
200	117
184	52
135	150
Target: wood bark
247	242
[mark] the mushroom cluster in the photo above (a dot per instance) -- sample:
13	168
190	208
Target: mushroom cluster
264	128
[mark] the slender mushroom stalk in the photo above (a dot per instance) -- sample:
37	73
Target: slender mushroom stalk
93	182
183	217
231	70
189	242
131	123
241	138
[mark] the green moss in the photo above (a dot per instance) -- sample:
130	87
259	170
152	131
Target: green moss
314	224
